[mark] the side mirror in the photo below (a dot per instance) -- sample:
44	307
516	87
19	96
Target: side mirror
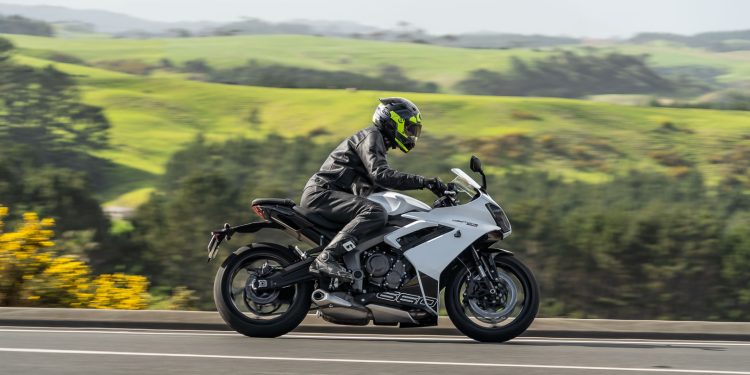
475	164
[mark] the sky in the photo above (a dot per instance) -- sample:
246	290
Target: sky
578	18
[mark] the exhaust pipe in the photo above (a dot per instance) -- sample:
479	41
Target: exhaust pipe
324	299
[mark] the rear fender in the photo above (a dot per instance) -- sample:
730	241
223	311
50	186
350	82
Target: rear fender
226	233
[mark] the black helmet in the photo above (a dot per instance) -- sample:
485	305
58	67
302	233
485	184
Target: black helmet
400	121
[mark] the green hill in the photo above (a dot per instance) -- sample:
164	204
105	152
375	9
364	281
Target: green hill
153	116
443	65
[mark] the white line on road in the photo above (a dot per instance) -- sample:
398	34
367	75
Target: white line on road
516	340
384	337
359	361
112	332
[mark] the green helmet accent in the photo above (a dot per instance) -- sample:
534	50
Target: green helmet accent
400	121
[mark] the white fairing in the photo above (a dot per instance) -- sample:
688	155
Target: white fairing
397	203
472	220
457	227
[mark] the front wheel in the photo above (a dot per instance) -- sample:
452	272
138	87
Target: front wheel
494	311
255	314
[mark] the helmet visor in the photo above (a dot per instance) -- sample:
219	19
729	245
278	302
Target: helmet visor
413	129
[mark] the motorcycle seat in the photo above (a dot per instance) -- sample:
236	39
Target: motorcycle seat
317	219
273	202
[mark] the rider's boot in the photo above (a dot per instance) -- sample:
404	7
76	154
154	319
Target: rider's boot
327	261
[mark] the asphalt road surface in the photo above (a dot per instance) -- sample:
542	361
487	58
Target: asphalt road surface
112	351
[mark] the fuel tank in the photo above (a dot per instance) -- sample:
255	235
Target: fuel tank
397	203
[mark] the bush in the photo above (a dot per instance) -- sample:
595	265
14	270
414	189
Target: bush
129	66
66	58
31	275
119	291
518	114
196	66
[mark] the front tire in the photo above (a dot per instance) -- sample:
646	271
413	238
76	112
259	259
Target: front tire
270	314
480	319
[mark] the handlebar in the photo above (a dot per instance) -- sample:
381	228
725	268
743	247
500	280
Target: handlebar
448	197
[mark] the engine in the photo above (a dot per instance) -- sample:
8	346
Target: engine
386	269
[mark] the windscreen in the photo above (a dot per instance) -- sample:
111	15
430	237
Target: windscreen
464	183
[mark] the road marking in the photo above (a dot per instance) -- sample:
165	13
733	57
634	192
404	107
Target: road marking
383	337
375	361
517	340
144	332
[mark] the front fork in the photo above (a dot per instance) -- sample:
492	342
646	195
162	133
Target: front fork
487	270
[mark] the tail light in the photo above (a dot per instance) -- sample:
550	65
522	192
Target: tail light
260	212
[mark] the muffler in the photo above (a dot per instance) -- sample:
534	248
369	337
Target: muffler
324	299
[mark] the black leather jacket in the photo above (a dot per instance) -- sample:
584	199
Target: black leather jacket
359	166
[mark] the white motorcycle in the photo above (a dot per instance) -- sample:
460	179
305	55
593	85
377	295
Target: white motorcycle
265	289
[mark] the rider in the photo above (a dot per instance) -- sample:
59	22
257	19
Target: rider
357	168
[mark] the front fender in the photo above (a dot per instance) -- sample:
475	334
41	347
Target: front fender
500	252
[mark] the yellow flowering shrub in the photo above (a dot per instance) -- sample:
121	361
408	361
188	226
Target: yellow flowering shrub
31	274
20	255
120	291
65	282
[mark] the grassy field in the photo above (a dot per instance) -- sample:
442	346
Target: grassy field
442	65
153	116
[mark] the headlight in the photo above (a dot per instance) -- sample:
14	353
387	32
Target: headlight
500	219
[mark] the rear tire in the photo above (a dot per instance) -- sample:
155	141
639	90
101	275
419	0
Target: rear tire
457	309
257	327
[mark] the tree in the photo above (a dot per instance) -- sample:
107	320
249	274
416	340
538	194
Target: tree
196	66
41	108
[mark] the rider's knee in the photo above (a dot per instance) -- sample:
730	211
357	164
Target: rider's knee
377	213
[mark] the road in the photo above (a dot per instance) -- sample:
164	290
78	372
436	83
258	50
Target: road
27	350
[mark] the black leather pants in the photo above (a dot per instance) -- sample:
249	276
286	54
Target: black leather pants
361	216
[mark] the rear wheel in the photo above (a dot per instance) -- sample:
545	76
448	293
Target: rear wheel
497	311
256	314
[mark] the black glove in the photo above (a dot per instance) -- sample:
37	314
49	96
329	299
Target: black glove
436	186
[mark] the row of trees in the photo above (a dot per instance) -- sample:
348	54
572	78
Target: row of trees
641	246
719	41
568	74
22	25
390	77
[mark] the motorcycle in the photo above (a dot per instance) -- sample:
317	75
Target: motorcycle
265	289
